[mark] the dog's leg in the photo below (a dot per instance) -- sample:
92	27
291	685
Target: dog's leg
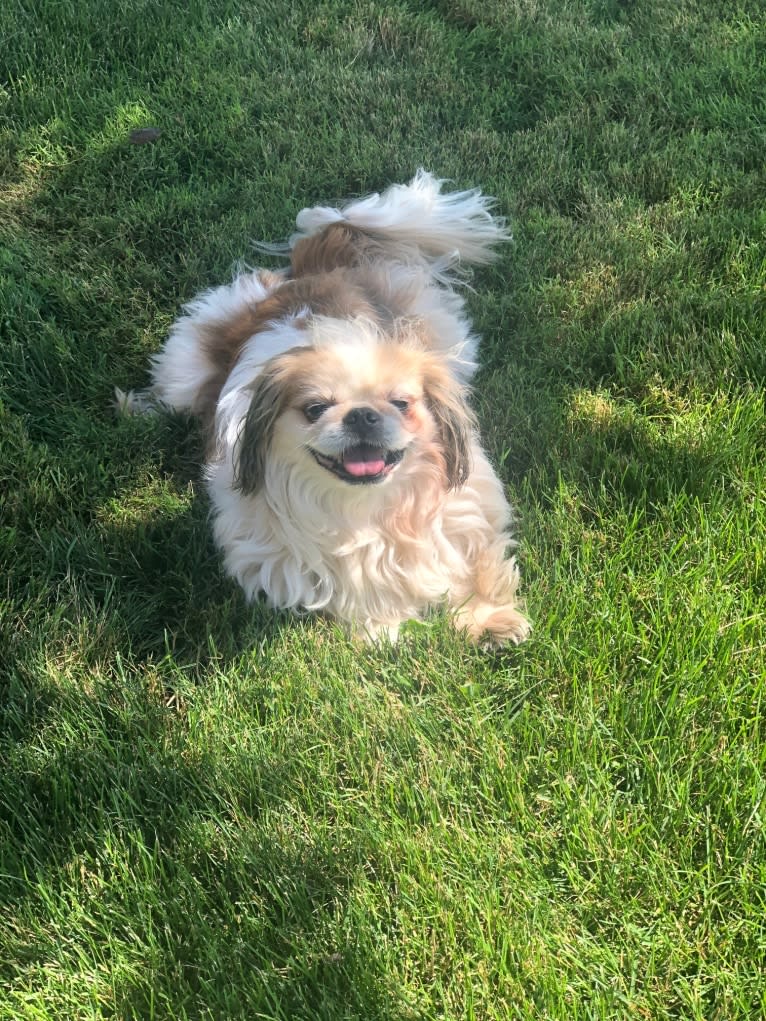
491	612
485	600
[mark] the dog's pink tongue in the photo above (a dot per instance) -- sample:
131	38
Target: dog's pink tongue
358	468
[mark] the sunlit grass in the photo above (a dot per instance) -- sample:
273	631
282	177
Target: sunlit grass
211	811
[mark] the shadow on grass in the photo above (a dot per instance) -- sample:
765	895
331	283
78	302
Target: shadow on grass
181	867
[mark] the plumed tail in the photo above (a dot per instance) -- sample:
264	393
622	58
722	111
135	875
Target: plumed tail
417	222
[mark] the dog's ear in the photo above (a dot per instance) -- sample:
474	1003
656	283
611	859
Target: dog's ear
456	423
270	397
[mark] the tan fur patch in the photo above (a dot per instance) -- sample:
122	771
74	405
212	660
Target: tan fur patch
333	274
337	245
331	294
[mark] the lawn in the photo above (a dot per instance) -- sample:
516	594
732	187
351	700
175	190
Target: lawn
209	811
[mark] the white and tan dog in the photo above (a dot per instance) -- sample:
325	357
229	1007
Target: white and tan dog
343	463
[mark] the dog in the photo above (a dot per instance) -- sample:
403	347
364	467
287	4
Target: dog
343	461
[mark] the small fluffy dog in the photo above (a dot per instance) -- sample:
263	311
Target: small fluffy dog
343	462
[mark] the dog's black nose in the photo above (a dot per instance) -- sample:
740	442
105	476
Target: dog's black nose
361	417
365	422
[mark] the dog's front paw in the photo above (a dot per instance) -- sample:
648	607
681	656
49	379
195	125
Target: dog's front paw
493	625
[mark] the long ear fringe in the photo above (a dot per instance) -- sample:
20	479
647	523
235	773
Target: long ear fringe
456	424
254	440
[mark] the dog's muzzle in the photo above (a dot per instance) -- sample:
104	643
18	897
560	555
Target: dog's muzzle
361	464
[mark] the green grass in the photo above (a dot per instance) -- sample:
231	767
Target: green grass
208	811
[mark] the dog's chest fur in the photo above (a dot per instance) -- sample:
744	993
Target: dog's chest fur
332	561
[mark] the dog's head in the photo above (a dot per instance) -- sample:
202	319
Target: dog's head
356	408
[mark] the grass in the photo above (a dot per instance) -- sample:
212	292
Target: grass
208	811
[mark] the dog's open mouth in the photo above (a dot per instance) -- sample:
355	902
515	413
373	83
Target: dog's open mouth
361	465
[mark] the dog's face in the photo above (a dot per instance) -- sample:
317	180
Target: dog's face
354	411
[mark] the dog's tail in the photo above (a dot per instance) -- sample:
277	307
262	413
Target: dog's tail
416	222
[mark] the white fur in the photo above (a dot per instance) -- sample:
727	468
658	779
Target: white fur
181	368
344	555
236	393
418	218
375	555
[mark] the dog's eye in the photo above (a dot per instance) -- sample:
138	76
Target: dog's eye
401	405
313	412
